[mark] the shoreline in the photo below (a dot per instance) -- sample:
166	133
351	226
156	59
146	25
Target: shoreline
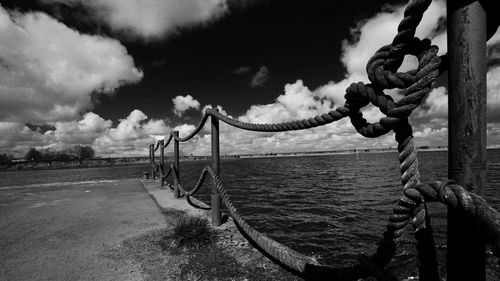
137	161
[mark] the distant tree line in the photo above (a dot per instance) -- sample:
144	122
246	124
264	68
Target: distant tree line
5	159
77	152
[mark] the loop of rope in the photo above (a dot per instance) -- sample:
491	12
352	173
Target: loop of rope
193	133
196	186
411	208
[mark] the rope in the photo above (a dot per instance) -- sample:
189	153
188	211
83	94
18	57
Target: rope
196	186
194	190
473	207
290	259
312	122
411	206
168	141
197	206
168	172
280	252
156	147
193	133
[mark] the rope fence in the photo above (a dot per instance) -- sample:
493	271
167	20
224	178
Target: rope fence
411	207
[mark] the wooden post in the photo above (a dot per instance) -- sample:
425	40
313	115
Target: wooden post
162	163
467	131
215	196
176	165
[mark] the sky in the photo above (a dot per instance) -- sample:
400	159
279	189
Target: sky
120	74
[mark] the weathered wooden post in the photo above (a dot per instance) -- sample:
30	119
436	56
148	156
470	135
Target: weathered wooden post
176	165
467	131
162	163
215	196
152	159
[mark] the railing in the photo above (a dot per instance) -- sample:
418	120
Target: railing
411	208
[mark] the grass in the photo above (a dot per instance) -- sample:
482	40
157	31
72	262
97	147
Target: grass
189	250
192	232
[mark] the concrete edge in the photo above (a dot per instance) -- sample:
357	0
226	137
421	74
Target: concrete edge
164	198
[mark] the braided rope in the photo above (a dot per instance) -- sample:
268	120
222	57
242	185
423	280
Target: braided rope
411	207
280	252
168	141
157	146
312	122
197	185
193	133
168	172
472	206
194	190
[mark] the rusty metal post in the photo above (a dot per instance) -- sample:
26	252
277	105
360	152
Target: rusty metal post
215	196
152	159
176	165
162	163
467	131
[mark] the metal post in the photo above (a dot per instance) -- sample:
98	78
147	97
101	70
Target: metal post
152	159
215	196
176	165
467	131
162	162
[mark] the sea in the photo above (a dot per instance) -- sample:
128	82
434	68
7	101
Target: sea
332	207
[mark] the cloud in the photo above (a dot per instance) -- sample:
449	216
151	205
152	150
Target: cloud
132	134
182	104
261	77
242	70
48	71
83	131
297	102
129	137
17	138
151	19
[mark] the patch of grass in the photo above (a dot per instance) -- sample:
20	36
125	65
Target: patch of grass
192	232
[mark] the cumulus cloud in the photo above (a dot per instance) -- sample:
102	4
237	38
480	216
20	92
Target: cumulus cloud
184	103
129	137
297	102
260	77
82	132
152	19
133	133
49	71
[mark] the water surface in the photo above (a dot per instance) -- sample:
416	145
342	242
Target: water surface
334	207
